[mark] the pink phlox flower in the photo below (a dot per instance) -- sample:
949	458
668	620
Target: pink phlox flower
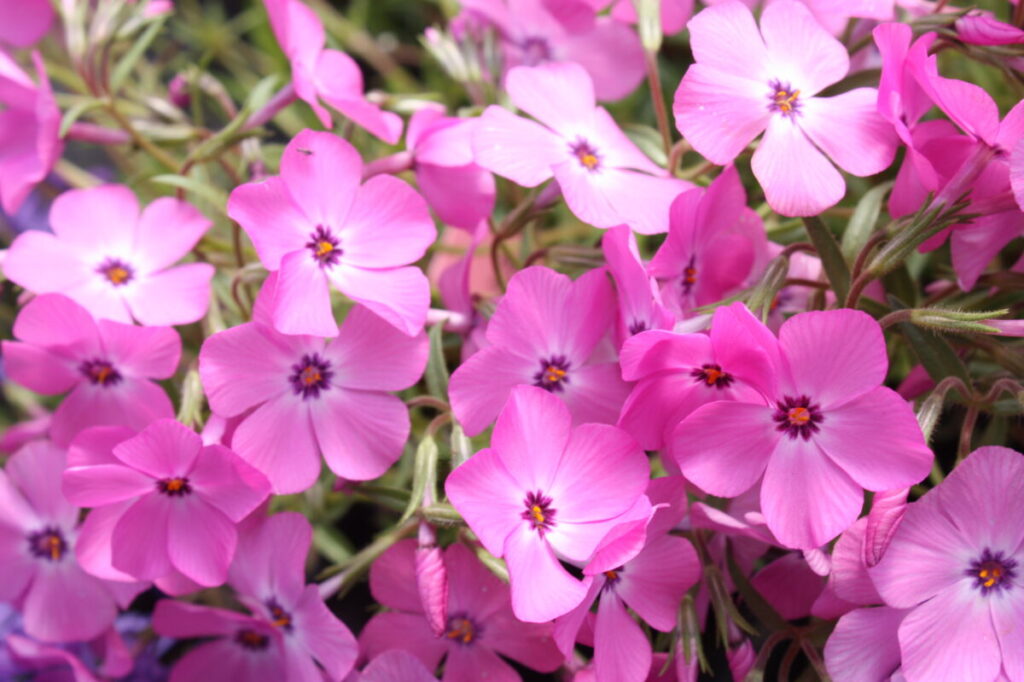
303	396
640	307
864	646
789	586
464	282
748	80
166	502
820	440
29	126
982	28
546	490
957	563
117	263
535	32
35	428
316	226
715	246
107	366
39	539
392	665
547	331
23	23
328	75
460	192
479	628
677	373
605	178
268	574
673	13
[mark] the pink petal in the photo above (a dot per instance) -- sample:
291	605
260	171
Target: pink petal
322	172
621	650
724	447
42	263
541	588
730	24
893	457
167	231
653	584
516	148
827	503
1006	621
272	219
642	200
802	52
399	295
200	540
849	577
180	295
96	486
19	567
66	604
974	246
24	23
585	192
797	178
360	433
833	356
654	351
370	354
270	558
151	352
480	386
97	219
389	225
861	632
488	497
278	440
54	320
755	359
325	637
849	130
35	472
393	577
225	659
302	303
402	631
530	458
396	665
165	449
612	55
460	196
93	545
139	540
132	403
224	480
951	636
618	540
655	406
559	95
469	664
789	585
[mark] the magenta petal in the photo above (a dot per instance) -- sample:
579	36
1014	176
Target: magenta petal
653	583
302	304
612	55
396	665
325	637
827	503
893	457
42	263
621	650
532	461
200	540
24	23
52	320
541	588
66	604
393	577
797	178
132	403
96	486
180	295
372	355
93	547
849	578
951	637
339	82
167	231
801	50
271	555
470	664
34	471
488	497
38	369
19	566
405	631
151	352
269	215
724	447
278	440
224	480
104	215
360	433
322	172
656	405
481	385
516	148
244	366
139	541
165	449
400	296
833	356
864	645
461	196
849	130
388	226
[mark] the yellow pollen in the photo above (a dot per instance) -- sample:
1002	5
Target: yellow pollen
174	485
117	274
690	275
252	638
588	160
538	514
461	629
611	575
785	100
310	376
712	375
324	247
53	545
799	415
554	374
990	576
102	374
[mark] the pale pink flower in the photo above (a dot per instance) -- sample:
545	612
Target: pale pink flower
24	22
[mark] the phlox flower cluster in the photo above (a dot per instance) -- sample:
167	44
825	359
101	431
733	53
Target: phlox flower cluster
511	340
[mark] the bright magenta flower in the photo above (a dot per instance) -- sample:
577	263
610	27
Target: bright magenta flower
25	22
315	225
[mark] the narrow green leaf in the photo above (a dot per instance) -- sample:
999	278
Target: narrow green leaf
862	222
331	544
206	190
831	256
424	476
75	113
135	52
437	368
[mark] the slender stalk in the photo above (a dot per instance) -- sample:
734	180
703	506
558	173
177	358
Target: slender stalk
658	100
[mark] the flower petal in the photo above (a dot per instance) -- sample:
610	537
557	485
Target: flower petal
801	52
849	130
797	178
389	225
400	296
488	497
621	650
200	540
516	148
167	231
302	300
360	433
180	295
278	440
541	589
370	354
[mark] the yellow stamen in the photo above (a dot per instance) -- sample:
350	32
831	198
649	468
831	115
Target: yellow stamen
53	544
690	275
461	629
611	575
117	274
799	415
554	374
324	247
712	375
310	376
538	514
175	484
588	160
785	100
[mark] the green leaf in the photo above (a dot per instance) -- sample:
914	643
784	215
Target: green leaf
437	368
75	113
862	222
206	190
424	476
936	355
831	256
135	52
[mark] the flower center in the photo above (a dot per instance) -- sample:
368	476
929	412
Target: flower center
636	327
783	98
461	629
281	618
536	50
310	376
586	154
993	572
100	372
116	271
689	275
174	487
324	246
712	375
798	417
48	544
538	512
553	374
250	639
612	577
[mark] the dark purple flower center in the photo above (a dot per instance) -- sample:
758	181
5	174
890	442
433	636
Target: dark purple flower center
798	417
100	372
636	327
539	512
116	271
174	487
279	617
462	629
783	98
586	154
993	572
611	578
553	374
712	375
48	544
250	639
324	246
689	277
536	50
310	376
